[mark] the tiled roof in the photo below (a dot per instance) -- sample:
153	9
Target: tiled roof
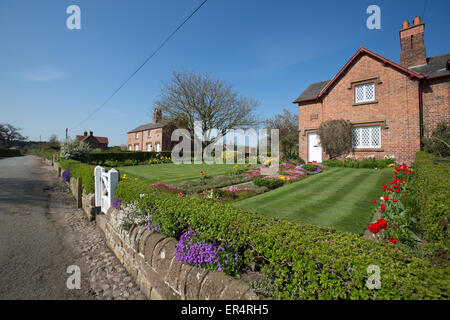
148	126
435	66
99	139
312	91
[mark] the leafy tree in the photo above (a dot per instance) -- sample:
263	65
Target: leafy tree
10	135
287	124
336	137
190	97
75	149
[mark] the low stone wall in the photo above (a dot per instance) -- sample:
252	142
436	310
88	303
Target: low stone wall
84	200
150	259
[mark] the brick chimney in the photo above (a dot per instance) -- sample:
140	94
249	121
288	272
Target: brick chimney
412	43
157	115
91	133
85	133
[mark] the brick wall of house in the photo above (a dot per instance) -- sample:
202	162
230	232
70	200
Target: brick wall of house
143	139
436	103
396	109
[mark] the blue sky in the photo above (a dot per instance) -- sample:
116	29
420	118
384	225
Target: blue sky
52	77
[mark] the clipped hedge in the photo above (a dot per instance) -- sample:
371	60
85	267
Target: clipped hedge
369	163
431	190
80	170
9	153
101	157
300	261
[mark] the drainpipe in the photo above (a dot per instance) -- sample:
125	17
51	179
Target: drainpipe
420	107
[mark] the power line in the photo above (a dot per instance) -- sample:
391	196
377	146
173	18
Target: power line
140	67
424	8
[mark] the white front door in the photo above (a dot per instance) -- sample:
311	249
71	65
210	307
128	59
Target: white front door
314	148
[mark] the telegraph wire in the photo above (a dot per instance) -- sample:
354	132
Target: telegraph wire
140	67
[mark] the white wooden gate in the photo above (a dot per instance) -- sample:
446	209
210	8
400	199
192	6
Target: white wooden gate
105	187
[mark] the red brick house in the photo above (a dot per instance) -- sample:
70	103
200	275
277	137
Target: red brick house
155	136
93	141
390	105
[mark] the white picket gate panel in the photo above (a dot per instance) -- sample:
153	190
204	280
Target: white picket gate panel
105	187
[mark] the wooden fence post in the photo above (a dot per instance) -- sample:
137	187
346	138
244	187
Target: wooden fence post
98	185
79	192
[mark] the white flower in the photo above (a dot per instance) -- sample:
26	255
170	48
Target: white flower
142	195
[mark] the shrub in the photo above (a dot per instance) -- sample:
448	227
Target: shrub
439	143
299	261
75	150
431	192
270	183
336	137
130	157
309	167
80	170
9	153
371	163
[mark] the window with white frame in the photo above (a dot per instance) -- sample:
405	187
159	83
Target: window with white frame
130	148
367	137
149	147
149	133
158	147
365	92
136	147
137	135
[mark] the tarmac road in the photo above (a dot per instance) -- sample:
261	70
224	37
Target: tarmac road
34	249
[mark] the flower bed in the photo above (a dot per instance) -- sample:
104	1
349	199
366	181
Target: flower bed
298	261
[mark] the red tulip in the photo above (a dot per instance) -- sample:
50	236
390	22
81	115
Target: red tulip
383	208
405	194
392	240
374	228
395	200
386	198
382	224
374	201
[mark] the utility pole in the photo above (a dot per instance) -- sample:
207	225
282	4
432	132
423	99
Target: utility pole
66	133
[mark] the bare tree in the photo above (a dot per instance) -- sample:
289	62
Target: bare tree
10	134
190	97
287	124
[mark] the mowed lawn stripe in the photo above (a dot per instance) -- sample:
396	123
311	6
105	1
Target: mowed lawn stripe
339	198
172	173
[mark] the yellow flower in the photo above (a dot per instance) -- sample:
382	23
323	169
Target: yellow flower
135	179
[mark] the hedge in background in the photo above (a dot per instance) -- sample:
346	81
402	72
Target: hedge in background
101	157
9	153
369	163
80	170
431	190
300	261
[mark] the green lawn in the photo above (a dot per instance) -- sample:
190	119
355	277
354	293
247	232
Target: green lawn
339	198
171	173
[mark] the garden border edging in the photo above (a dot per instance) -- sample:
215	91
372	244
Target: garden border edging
150	259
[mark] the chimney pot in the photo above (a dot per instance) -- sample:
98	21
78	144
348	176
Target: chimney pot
405	24
91	133
416	20
85	133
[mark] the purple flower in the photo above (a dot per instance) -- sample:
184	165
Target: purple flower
117	204
66	175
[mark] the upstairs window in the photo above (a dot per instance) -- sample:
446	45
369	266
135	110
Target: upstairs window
365	92
149	133
137	135
367	137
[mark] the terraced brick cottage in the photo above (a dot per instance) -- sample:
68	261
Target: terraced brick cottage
155	136
390	105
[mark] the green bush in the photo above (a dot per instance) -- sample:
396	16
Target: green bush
299	261
439	142
80	170
9	153
431	191
309	167
371	163
270	183
126	156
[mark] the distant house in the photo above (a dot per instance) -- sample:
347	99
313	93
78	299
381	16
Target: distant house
155	136
390	105
93	141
